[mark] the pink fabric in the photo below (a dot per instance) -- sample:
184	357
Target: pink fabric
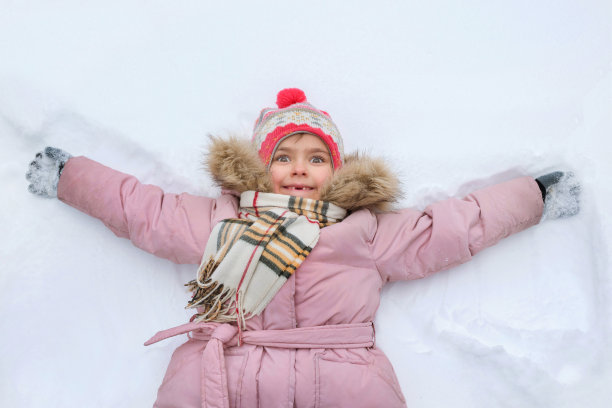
334	336
338	283
163	224
214	376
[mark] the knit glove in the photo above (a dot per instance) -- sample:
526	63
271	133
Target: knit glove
561	194
44	172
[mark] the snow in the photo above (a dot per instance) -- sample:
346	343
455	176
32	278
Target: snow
455	97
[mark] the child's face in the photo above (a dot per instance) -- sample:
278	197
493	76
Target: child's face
300	166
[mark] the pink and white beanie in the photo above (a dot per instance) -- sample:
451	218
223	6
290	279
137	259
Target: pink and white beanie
295	115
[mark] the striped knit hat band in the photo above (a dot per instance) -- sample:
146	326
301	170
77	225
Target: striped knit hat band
295	115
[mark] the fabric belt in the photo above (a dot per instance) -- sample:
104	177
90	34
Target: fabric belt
218	336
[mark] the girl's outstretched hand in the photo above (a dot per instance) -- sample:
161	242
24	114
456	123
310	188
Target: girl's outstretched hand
44	172
561	194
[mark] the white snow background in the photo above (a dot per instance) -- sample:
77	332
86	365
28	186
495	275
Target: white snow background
455	95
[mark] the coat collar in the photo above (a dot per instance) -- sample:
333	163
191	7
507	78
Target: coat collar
362	182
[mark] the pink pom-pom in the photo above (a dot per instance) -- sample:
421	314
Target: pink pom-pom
289	96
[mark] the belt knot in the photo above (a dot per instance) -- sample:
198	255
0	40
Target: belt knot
224	333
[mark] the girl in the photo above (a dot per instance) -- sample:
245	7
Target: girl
292	256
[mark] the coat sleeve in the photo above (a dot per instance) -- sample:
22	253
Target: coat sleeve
172	226
410	244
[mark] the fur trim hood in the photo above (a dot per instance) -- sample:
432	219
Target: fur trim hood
362	182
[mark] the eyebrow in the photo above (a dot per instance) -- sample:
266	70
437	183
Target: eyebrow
313	150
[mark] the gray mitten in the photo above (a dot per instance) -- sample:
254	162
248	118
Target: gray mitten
44	172
561	194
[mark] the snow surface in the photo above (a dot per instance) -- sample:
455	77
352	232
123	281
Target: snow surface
455	95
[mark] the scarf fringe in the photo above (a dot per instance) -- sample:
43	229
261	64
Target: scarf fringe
209	297
213	300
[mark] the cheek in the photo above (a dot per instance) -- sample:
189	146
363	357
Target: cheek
276	176
323	176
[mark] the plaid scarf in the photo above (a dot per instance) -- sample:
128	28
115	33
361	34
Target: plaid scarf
248	259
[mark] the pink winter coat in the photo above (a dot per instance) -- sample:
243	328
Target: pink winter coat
313	346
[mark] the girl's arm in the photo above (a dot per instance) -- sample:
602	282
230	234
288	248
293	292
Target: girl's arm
172	226
410	244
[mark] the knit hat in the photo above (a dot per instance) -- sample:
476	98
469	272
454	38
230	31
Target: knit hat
295	115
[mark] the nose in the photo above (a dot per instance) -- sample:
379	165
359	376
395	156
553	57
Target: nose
299	168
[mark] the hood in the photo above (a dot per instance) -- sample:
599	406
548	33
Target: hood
362	181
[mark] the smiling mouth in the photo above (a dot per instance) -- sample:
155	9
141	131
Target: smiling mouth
299	188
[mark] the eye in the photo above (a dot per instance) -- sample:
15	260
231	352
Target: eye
317	159
283	158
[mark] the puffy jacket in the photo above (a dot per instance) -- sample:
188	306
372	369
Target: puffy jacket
313	345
